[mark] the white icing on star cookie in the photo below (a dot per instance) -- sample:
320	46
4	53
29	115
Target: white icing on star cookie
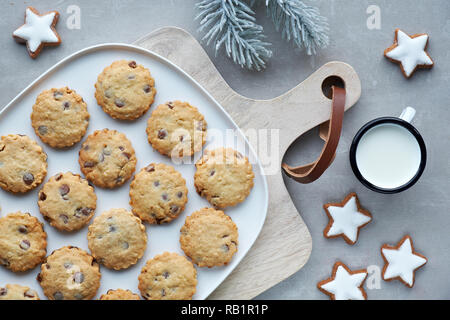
346	218
344	284
409	52
38	30
401	261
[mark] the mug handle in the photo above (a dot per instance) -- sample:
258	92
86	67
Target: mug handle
312	171
408	114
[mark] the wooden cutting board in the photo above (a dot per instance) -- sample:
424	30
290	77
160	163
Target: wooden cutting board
284	245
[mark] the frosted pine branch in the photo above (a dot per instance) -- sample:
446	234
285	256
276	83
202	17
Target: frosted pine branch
231	23
299	22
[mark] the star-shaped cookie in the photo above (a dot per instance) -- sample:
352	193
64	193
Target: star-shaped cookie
346	219
401	261
344	284
38	31
409	52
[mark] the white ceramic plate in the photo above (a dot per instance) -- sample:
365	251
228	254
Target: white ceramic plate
79	72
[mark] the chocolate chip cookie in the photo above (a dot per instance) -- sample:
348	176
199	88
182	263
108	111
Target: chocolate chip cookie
117	239
224	177
23	163
69	273
125	90
107	158
60	117
209	237
176	129
168	276
17	292
158	193
67	201
23	242
119	294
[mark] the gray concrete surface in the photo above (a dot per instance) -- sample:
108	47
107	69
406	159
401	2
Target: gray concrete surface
422	211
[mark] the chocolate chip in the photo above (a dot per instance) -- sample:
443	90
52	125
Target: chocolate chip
64	190
132	64
64	218
119	179
227	235
25	245
127	155
125	245
86	147
58	296
180	194
112	229
162	134
83	211
108	93
39	277
58	176
164	196
156	183
77	213
89	164
150	168
29	294
147	88
78	277
28	178
119	103
3	291
42	196
163	292
165	274
121	148
170	105
43	130
47	266
23	229
57	95
131	77
174	208
212	173
225	248
66	105
181	138
68	265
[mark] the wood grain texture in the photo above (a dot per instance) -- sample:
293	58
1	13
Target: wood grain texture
284	245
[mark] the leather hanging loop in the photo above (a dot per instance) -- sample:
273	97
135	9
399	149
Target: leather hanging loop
312	171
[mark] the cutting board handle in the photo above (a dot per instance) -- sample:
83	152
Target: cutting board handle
312	171
284	243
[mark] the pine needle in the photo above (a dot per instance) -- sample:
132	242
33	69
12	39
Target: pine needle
231	23
299	22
